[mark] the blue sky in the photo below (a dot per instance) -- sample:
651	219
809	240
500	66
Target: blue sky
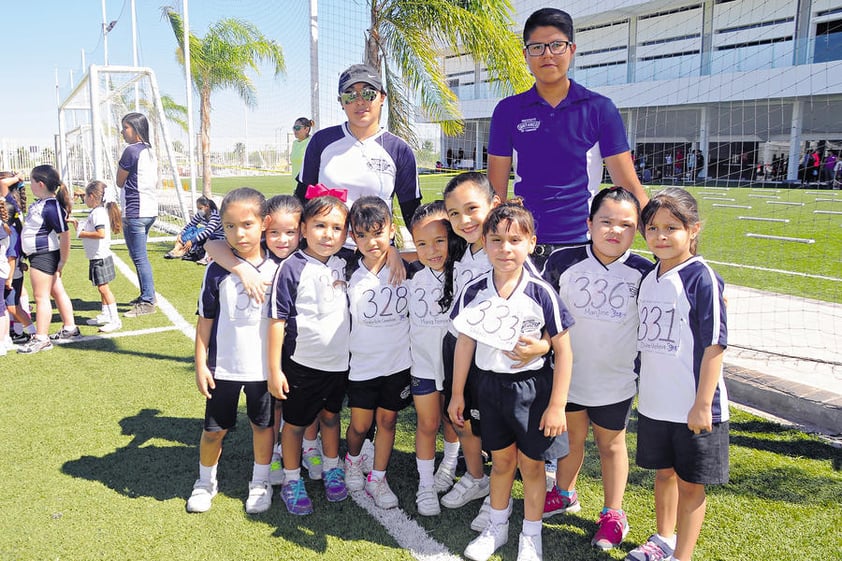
49	37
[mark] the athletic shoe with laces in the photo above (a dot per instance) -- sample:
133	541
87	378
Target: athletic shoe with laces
65	334
260	497
367	455
492	538
529	548
21	338
443	479
201	497
141	309
556	503
101	319
294	495
276	470
35	345
378	489
111	326
354	477
466	490
655	549
427	501
311	460
613	527
335	489
483	517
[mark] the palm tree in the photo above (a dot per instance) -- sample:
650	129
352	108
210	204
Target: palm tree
219	61
407	38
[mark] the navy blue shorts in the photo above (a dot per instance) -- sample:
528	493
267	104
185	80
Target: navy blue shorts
448	348
221	411
422	386
511	409
385	392
46	262
610	417
13	293
696	458
311	391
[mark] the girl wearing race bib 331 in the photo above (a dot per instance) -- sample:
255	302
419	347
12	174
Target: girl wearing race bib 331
682	402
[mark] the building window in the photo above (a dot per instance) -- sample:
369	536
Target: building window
828	41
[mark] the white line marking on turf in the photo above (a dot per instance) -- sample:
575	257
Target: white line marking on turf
169	310
406	531
116	334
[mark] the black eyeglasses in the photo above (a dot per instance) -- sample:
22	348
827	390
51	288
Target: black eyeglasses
556	48
366	94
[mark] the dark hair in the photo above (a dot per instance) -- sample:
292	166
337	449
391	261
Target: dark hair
140	125
548	17
48	175
679	203
304	121
98	187
370	213
208	202
455	246
479	179
513	212
617	194
4	212
284	203
319	206
245	195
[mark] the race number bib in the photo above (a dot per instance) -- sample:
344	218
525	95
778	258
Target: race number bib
330	291
424	306
244	307
600	297
659	330
493	322
384	305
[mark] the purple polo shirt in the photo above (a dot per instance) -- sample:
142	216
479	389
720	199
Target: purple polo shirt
557	155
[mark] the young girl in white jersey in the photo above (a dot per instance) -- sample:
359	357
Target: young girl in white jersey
309	327
379	376
5	273
682	402
230	354
521	407
598	282
95	233
281	239
431	295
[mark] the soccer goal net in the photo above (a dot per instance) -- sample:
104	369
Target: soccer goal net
90	143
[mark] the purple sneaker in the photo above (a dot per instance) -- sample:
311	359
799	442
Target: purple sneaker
295	498
655	549
334	480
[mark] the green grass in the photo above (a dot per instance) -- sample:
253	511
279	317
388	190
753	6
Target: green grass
100	449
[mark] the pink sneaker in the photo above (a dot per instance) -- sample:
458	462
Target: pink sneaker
556	503
613	527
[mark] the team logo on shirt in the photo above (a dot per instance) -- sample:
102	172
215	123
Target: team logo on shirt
530	326
528	125
380	165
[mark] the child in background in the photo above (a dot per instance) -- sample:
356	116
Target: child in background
431	296
17	301
598	283
95	234
307	347
379	376
281	239
203	226
46	242
230	355
5	273
682	403
522	407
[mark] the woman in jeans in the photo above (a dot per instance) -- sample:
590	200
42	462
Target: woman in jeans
137	176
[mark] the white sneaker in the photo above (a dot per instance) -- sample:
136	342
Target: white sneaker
444	479
427	501
201	497
367	453
311	460
492	538
483	517
466	490
529	548
276	470
378	489
101	319
260	497
354	478
111	326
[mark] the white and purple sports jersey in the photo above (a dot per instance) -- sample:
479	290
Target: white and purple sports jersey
137	197
5	244
379	325
534	305
382	165
45	220
237	346
557	155
603	301
97	248
427	324
682	312
312	298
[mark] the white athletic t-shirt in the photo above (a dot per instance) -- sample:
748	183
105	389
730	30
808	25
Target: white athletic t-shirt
97	248
427	324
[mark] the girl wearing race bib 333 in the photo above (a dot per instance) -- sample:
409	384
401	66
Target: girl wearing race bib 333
682	402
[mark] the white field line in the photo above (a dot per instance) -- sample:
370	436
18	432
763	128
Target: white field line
115	335
408	533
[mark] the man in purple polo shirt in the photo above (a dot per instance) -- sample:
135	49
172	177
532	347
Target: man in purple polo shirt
557	134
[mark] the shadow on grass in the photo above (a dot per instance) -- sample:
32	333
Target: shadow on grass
778	439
